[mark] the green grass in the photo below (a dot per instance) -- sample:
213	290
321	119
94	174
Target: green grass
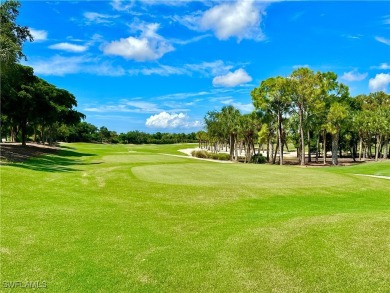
101	218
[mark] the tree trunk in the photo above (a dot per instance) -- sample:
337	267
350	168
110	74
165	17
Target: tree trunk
24	132
377	146
43	134
231	147
385	147
236	151
354	151
302	138
35	133
268	143
335	146
318	146
12	134
369	152
275	153
280	143
308	146
324	146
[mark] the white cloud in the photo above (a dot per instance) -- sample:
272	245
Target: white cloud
104	69
300	66
379	82
145	107
148	46
213	68
94	17
162	70
129	106
383	40
232	79
383	66
246	108
166	120
120	6
60	66
192	40
69	47
190	21
38	35
354	37
182	96
207	69
240	19
353	76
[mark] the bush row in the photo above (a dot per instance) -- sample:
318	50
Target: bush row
256	159
206	155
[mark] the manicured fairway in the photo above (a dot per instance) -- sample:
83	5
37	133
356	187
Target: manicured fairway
101	218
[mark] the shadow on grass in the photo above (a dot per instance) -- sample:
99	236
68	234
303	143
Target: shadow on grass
69	153
60	161
66	147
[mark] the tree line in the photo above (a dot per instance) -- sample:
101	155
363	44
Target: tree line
28	103
87	132
310	109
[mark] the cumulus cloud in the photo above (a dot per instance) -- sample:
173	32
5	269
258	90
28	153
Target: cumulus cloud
240	19
232	79
379	82
69	47
148	46
353	76
166	120
383	40
38	35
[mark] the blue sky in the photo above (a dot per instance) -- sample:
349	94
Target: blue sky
160	65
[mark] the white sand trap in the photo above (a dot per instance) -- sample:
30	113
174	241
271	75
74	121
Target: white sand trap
189	156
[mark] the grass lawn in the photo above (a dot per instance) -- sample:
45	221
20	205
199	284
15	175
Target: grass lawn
123	218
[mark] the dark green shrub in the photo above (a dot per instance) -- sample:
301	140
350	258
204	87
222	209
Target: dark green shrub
258	159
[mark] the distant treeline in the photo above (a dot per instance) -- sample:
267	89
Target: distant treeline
87	132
